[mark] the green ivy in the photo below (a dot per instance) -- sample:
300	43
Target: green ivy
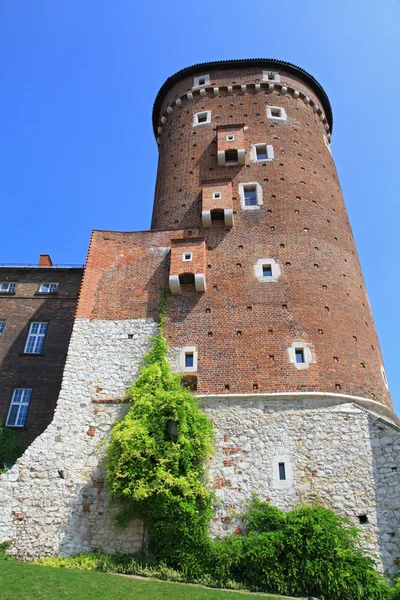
156	459
156	468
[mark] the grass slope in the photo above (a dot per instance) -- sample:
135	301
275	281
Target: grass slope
20	581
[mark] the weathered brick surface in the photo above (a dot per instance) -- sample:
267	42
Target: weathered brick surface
42	373
243	327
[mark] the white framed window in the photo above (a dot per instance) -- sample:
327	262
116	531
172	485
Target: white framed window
36	335
6	287
217	195
385	381
187	256
327	144
230	137
261	152
300	355
270	76
48	288
276	112
267	270
202	118
250	195
188	359
2	325
19	407
201	80
282	471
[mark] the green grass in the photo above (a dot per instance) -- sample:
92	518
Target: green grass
19	581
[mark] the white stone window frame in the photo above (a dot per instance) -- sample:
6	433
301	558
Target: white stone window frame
196	116
187	256
36	336
259	195
7	287
308	358
271	76
217	195
196	81
275	268
282	116
384	377
277	482
20	399
327	144
230	137
269	151
52	288
182	359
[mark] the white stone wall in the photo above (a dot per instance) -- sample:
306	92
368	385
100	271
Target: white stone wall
329	460
336	452
385	441
52	501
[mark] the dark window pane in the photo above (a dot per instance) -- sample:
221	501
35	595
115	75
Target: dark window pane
231	156
267	271
282	474
250	197
299	355
189	361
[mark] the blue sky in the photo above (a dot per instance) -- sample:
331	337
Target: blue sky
78	80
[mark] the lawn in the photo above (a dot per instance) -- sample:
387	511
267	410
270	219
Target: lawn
20	581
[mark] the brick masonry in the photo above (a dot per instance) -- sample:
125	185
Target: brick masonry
42	373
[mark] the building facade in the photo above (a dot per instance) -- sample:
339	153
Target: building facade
268	321
37	310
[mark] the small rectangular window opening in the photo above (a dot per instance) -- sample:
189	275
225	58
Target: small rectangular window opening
187	256
261	152
250	196
276	112
267	270
231	156
217	196
7	287
230	138
282	472
202	117
202	80
299	355
48	288
189	359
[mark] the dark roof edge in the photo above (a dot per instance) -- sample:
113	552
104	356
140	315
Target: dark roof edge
254	62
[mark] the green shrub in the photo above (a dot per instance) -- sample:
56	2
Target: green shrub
12	445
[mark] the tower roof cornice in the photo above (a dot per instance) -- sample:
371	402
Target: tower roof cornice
269	63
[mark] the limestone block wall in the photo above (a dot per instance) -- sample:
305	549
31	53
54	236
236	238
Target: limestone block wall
52	501
335	453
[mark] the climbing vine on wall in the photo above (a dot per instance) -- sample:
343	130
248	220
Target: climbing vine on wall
157	455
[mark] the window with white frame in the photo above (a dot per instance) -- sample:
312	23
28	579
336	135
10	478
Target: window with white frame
202	118
267	270
35	341
276	112
188	359
261	152
19	407
300	355
2	325
48	288
250	195
270	76
217	195
230	137
6	287
201	80
187	256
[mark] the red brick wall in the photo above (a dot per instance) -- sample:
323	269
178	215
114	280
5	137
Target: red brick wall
242	327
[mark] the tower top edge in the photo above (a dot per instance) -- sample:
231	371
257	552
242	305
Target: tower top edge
238	63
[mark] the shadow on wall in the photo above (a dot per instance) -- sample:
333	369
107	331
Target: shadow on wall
385	443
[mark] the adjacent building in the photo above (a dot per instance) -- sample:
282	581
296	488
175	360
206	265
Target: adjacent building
37	309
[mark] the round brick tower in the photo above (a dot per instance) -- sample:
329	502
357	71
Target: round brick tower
268	293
